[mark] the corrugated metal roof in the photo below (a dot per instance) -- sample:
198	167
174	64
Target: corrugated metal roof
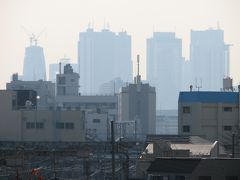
209	97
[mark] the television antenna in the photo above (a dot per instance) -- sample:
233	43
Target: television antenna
198	86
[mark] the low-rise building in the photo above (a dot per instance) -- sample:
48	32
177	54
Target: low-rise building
33	124
45	90
96	126
212	115
194	169
175	146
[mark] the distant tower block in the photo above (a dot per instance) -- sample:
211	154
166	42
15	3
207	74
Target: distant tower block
34	68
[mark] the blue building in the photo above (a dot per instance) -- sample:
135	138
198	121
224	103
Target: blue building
210	114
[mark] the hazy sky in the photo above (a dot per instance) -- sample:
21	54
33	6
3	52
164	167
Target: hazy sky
64	19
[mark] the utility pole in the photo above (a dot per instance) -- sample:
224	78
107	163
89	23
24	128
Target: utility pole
54	164
113	150
233	145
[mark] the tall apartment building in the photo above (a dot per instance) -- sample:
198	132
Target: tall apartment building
34	68
164	63
210	114
137	102
103	56
209	56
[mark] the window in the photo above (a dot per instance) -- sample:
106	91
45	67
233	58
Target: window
227	109
61	80
227	128
60	125
96	120
186	109
69	125
159	178
39	125
204	178
231	178
179	177
186	128
30	125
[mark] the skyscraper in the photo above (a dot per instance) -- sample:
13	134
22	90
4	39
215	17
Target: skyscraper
34	62
103	56
164	63
209	56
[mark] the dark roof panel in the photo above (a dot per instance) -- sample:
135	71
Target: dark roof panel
209	97
165	165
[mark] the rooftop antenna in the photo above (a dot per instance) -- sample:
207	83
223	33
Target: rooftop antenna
138	57
114	90
198	86
137	79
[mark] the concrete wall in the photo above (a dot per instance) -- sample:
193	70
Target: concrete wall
15	124
217	169
10	120
97	126
208	120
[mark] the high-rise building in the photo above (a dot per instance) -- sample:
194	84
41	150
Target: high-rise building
103	56
164	63
54	68
209	56
137	102
34	68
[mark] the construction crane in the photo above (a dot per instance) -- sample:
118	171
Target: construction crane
32	37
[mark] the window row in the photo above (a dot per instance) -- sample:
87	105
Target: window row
33	125
187	109
62	125
40	125
186	128
180	177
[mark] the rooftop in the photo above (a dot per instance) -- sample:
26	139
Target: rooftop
208	97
